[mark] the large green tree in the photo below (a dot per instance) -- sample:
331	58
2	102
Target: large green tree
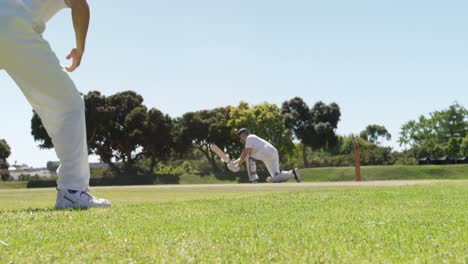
5	152
375	134
115	126
203	128
464	147
122	137
39	133
158	140
314	127
442	133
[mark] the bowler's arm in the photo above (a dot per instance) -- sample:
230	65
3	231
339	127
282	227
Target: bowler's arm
80	16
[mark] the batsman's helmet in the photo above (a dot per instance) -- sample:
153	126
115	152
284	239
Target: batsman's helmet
242	130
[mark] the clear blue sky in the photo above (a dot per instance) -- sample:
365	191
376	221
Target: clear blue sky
383	62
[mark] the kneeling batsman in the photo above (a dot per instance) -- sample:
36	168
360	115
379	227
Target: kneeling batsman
257	148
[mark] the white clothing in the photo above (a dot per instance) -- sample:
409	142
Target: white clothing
78	200
264	151
272	165
251	166
29	60
41	11
261	149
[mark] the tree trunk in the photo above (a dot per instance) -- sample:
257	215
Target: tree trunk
112	166
151	172
305	158
107	160
129	157
152	165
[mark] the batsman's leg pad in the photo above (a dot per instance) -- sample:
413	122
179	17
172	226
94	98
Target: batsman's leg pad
252	170
253	166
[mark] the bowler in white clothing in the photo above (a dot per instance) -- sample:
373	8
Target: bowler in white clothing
27	57
257	148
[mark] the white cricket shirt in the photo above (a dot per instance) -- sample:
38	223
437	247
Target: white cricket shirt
261	149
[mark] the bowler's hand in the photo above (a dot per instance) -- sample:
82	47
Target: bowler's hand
75	55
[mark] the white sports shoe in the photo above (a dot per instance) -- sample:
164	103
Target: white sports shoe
253	178
68	199
297	177
269	179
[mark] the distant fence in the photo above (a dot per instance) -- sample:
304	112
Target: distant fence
442	161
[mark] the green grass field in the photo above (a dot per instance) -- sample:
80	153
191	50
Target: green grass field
368	173
12	185
379	173
263	223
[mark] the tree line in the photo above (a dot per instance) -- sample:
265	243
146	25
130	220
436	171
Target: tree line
5	152
134	139
442	133
122	131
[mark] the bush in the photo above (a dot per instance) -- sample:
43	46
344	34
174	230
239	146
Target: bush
338	161
41	183
331	161
169	179
100	173
106	181
203	167
406	161
35	177
163	169
52	166
187	167
5	176
373	155
315	161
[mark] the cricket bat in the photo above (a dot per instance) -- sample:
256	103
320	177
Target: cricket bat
220	153
230	163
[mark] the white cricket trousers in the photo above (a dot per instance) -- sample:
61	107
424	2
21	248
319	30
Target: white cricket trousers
271	160
31	63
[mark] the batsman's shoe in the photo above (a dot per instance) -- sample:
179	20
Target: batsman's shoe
69	199
297	176
253	178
